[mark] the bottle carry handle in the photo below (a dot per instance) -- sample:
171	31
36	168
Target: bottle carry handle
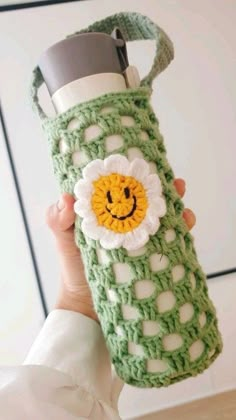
134	26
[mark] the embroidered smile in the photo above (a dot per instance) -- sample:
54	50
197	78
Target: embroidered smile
127	195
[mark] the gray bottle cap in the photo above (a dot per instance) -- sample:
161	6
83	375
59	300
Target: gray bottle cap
82	55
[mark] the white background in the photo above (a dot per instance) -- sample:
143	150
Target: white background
194	100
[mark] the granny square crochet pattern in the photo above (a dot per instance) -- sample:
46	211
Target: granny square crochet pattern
148	288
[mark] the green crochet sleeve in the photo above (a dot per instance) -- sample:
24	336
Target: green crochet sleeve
152	300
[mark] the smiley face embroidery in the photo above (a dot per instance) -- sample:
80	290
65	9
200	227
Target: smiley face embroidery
125	202
127	194
120	202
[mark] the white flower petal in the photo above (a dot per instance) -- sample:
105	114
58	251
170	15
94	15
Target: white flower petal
110	239
93	170
153	184
159	204
151	223
82	207
117	163
154	228
156	209
151	213
139	169
90	228
135	239
82	188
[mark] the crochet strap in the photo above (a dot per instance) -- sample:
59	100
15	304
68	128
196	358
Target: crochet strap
134	26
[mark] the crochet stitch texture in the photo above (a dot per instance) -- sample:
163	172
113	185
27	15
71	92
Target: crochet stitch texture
168	261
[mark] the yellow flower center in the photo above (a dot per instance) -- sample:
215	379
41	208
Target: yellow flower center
119	202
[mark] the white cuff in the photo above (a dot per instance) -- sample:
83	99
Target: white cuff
74	344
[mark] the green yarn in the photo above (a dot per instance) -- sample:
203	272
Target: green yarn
201	329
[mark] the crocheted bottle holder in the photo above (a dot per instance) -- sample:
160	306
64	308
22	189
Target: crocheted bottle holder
148	288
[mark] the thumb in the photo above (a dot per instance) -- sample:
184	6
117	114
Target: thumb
61	216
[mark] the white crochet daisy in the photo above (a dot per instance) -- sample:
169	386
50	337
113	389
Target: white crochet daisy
120	202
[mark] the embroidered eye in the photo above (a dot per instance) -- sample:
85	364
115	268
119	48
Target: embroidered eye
109	197
127	192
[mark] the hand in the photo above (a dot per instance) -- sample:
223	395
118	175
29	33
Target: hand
75	293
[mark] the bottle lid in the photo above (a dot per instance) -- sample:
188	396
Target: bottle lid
82	55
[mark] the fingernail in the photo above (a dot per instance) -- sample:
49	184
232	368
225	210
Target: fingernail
187	211
60	204
183	183
187	214
189	217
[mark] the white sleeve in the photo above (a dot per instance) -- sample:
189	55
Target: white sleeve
67	374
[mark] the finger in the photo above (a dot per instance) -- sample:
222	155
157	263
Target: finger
61	216
179	184
66	203
67	214
189	218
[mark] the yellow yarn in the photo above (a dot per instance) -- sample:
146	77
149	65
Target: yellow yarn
119	202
